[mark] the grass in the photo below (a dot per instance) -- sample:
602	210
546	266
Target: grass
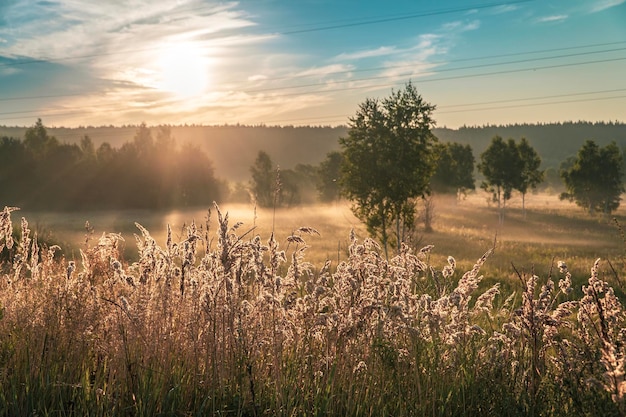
233	321
551	230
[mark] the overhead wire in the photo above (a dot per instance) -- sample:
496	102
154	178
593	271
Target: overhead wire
396	77
364	21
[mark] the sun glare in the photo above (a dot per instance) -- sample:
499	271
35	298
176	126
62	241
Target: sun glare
183	70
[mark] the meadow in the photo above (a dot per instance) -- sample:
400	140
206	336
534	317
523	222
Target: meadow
550	230
295	312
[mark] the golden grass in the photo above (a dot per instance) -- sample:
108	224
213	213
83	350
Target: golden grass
551	230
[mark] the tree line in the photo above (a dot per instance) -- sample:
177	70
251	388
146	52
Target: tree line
390	159
39	172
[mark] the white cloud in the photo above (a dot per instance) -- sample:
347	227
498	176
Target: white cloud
505	8
325	70
553	18
257	77
371	53
460	26
605	4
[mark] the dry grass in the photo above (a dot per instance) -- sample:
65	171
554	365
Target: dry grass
551	230
231	322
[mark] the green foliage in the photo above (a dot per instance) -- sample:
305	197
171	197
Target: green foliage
274	187
39	172
263	181
389	157
455	169
594	178
508	166
329	173
501	165
38	142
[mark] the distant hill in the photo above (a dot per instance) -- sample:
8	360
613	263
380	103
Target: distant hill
234	148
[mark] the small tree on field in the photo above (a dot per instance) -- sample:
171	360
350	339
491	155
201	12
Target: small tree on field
594	180
329	172
263	180
389	157
531	175
501	165
455	169
508	166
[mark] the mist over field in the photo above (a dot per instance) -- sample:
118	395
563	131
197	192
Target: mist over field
312	208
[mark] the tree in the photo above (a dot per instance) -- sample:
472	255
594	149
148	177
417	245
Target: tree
531	176
594	181
502	166
37	140
389	157
455	169
263	180
329	172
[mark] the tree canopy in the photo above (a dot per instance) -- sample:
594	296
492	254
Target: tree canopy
39	172
328	174
594	179
389	157
509	166
501	166
455	169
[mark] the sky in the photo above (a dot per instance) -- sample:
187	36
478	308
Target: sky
309	62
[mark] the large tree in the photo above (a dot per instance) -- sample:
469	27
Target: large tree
594	180
389	157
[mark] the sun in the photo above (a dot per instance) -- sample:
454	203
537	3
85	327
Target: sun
183	69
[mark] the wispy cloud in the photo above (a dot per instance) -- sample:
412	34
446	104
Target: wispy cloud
371	53
553	18
122	47
601	5
505	8
325	70
461	26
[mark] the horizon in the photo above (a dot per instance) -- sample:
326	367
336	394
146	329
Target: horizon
275	63
309	126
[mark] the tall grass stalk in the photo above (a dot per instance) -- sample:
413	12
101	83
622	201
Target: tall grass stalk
246	328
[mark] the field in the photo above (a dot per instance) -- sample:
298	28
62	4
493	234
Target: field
220	322
551	230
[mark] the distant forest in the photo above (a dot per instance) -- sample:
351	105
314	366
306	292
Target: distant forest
173	166
233	148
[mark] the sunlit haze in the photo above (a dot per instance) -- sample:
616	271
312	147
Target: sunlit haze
280	62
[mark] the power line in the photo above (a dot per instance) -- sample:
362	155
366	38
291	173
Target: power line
484	57
406	17
440	70
403	75
318	29
442	109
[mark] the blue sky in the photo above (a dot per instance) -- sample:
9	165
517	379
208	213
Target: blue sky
286	62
